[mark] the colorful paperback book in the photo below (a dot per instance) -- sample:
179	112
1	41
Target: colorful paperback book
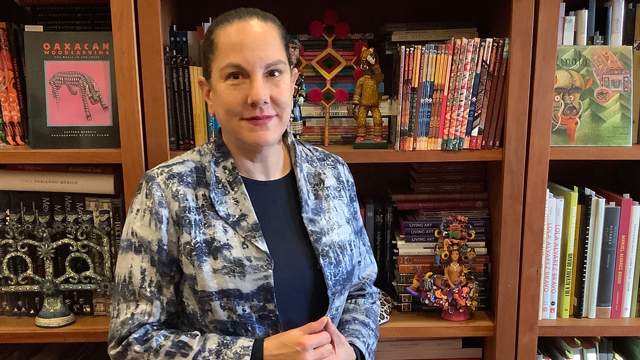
593	96
72	92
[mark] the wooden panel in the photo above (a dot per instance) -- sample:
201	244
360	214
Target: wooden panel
589	327
513	168
129	105
24	330
537	171
596	153
26	155
431	325
153	81
355	156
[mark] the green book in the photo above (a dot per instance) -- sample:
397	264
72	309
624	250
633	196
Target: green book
567	248
593	96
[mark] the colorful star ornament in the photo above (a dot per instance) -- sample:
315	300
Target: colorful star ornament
329	63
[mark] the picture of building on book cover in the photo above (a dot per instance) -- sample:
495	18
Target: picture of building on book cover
593	94
78	93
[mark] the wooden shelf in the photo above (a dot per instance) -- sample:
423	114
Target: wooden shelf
430	325
596	153
362	156
589	327
24	330
26	155
401	325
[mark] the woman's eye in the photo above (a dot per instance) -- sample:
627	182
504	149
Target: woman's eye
273	73
234	76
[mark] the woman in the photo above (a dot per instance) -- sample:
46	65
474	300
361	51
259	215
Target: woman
239	248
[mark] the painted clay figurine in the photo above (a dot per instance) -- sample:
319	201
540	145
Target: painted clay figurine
365	99
299	91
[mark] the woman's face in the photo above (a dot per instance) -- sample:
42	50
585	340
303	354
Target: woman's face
251	84
455	255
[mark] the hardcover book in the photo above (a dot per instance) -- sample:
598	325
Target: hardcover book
72	93
593	96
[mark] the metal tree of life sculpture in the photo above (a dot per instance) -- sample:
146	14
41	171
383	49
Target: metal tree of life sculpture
27	234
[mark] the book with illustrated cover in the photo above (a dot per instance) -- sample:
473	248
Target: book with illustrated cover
72	92
593	96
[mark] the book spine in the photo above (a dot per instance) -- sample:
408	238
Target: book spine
11	115
379	233
420	92
451	98
448	187
118	212
389	236
631	263
445	98
175	84
57	182
581	27
497	101
415	72
436	99
555	265
406	96
461	47
19	84
548	258
501	117
541	306
621	259
487	93
480	109
583	250
595	251
569	30
607	262
425	268
441	205
461	124
171	115
561	24
466	124
491	103
617	28
463	196
430	259
401	53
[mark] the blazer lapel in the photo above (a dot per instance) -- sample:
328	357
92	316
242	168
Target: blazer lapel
229	196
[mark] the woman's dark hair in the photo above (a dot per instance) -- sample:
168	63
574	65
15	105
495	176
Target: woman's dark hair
231	17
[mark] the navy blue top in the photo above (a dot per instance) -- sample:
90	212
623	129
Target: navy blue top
299	284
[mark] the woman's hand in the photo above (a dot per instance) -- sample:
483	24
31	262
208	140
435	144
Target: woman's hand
308	342
342	349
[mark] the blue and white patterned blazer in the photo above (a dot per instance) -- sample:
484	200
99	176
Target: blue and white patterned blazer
194	277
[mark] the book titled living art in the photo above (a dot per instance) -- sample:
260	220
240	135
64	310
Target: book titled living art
593	96
71	87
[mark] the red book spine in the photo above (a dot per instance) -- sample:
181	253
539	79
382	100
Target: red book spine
621	258
441	205
8	93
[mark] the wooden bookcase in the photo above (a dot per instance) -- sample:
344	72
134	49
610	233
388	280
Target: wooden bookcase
130	156
374	169
580	165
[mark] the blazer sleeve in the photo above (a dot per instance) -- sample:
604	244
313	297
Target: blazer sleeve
145	309
360	317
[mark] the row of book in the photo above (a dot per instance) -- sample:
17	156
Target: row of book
590	251
190	123
74	17
402	228
612	23
434	349
451	95
588	348
29	193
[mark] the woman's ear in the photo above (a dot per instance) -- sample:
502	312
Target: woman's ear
294	77
207	93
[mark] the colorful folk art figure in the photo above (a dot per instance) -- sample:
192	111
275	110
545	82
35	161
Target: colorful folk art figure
365	99
455	292
299	91
567	106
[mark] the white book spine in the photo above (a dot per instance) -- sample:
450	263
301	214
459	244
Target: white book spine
581	27
45	181
569	29
548	258
555	265
544	247
561	24
592	233
617	19
631	264
593	267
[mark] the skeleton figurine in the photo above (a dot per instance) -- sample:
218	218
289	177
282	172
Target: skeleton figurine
85	83
365	99
299	91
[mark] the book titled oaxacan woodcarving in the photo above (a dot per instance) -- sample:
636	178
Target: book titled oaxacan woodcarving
72	92
593	93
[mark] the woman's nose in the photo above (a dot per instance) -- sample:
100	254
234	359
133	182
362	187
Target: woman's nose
259	92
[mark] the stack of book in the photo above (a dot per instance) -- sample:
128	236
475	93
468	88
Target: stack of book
62	192
456	348
589	254
439	190
624	348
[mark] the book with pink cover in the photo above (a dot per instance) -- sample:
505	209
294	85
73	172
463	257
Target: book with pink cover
71	90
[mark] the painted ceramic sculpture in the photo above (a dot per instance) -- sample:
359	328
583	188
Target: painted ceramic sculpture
455	292
365	99
299	91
